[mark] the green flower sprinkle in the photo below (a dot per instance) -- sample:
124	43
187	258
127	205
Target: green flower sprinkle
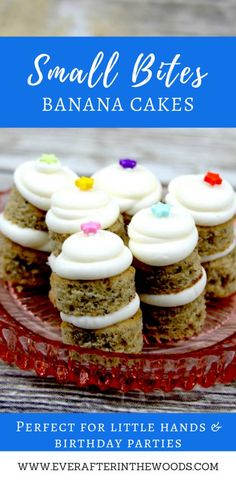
48	159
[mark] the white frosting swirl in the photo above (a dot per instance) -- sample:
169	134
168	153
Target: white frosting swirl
133	189
24	236
178	299
37	181
71	207
90	257
98	322
209	205
162	241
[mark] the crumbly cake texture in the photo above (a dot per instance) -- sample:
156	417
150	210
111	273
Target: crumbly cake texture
19	211
168	279
215	239
125	336
117	228
22	266
57	241
97	297
221	276
127	218
175	323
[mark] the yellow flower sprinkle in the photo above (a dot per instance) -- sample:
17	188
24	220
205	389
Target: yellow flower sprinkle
84	183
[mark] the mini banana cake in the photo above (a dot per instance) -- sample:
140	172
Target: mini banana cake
78	204
93	287
24	238
212	203
131	185
169	277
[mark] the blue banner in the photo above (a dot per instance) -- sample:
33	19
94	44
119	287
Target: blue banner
117	432
118	82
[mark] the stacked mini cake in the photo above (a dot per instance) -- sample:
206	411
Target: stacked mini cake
180	250
211	201
25	242
78	204
170	279
93	287
131	185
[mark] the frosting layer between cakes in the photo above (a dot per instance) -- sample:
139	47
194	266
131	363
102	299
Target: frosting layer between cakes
98	322
90	257
24	236
37	181
70	207
209	205
133	189
219	255
177	299
162	241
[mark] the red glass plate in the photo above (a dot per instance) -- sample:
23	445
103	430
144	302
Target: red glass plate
30	338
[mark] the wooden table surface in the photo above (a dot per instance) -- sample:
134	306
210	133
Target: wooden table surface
167	151
23	391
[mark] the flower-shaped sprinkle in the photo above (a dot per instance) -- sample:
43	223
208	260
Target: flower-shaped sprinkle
127	163
91	227
212	178
161	210
48	159
84	183
48	164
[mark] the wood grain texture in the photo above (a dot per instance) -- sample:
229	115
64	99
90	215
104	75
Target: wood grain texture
123	17
167	151
21	392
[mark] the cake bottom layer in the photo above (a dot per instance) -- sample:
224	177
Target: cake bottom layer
221	276
96	297
125	336
117	228
175	323
22	266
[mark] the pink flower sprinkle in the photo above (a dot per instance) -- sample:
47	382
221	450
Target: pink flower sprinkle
90	227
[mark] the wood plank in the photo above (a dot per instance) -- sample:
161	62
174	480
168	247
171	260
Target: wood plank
123	17
168	152
17	394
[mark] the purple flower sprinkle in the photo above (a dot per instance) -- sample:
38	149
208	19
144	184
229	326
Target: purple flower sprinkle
128	163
